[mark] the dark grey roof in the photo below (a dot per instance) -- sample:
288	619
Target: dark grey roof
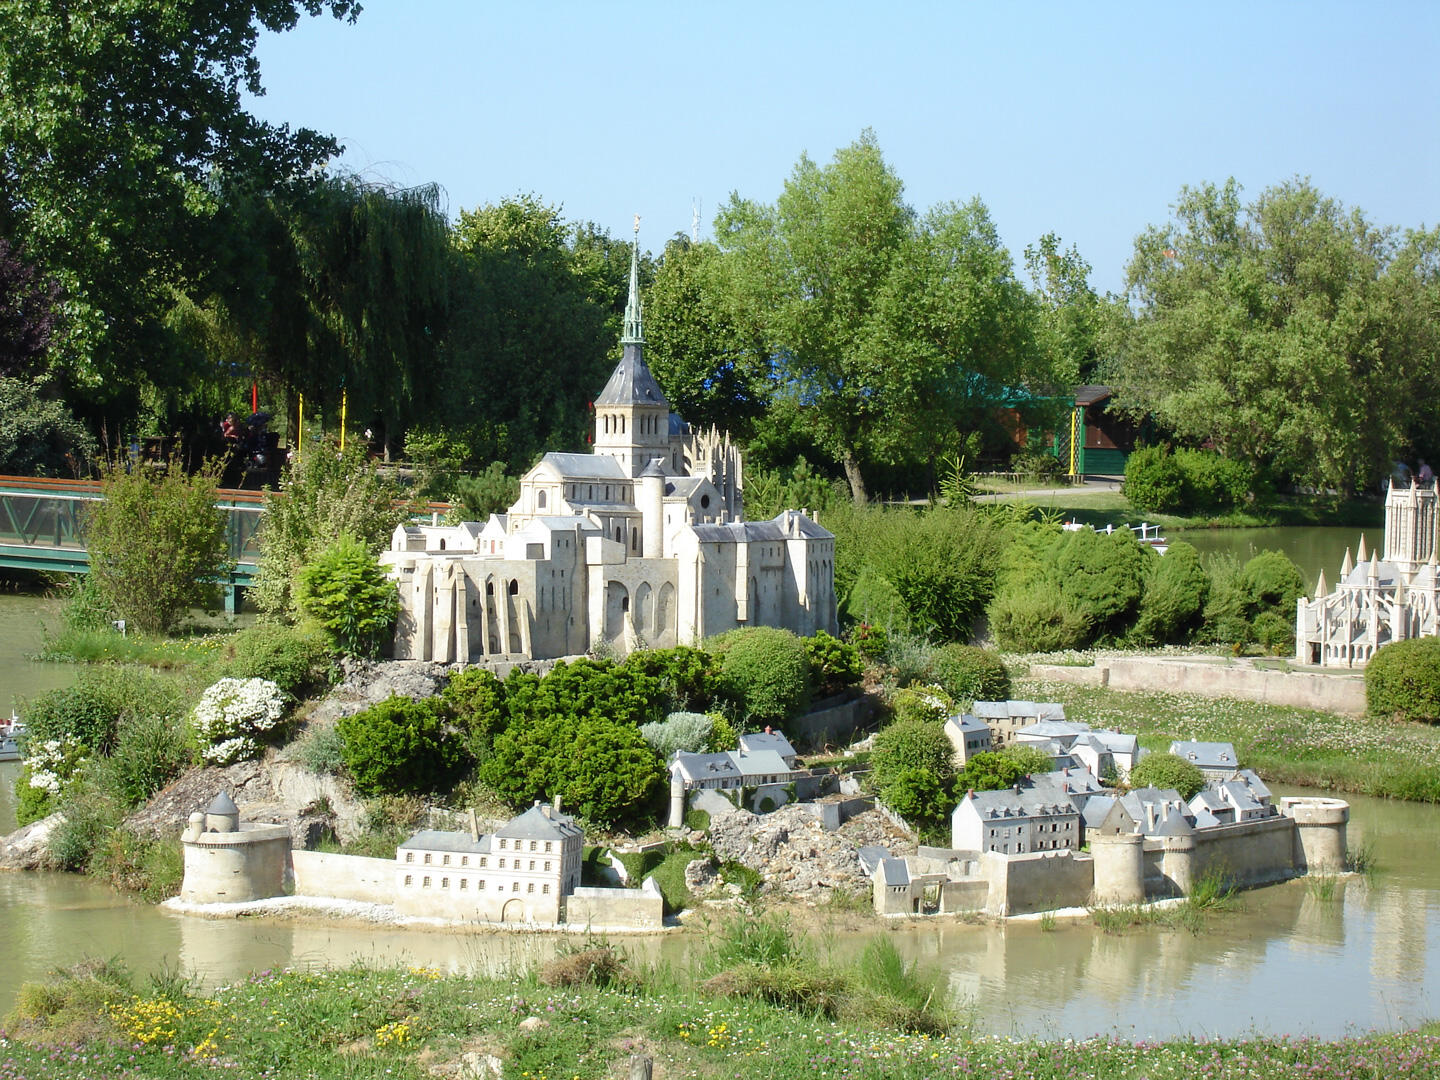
539	823
894	872
222	804
737	532
1206	755
631	383
1095	810
654	468
1043	710
870	856
586	466
445	840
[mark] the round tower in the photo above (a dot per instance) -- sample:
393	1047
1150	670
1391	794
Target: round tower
1119	869
1320	832
652	511
1177	862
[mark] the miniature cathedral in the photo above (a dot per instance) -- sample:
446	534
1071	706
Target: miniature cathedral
1378	600
643	542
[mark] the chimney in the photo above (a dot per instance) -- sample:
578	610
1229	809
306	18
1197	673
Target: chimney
556	804
474	826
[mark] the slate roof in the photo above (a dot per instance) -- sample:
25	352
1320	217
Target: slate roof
767	740
585	466
894	872
870	856
540	822
1048	710
222	804
1054	729
1206	755
447	840
737	532
631	383
1040	800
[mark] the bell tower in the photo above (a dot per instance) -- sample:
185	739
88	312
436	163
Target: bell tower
632	417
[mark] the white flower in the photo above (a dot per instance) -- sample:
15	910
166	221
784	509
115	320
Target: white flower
231	712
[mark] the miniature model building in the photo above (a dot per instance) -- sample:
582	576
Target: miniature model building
642	542
1377	600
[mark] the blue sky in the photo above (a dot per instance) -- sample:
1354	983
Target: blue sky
1084	119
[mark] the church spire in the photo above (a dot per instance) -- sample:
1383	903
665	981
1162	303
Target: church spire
632	334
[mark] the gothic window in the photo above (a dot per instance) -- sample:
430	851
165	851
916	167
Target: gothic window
635	539
514	587
540	499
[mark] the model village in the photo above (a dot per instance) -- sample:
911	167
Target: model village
645	542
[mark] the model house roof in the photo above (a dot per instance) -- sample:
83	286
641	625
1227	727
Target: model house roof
1048	710
894	872
631	383
540	822
1206	755
766	740
447	840
585	466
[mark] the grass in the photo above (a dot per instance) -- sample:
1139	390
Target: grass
1094	506
109	647
411	1023
1213	892
1303	747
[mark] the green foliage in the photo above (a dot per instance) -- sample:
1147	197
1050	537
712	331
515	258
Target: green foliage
765	671
1034	617
577	689
293	658
998	769
93	709
151	749
492	491
723	735
85	609
834	664
399	746
156	543
1274	583
907	745
1275	632
921	702
325	496
1168	771
1227	609
347	592
1173	601
39	436
601	768
319	749
437	457
918	796
969	673
475	700
688	677
768	492
1160	480
686	731
1154	480
1101	576
1402	680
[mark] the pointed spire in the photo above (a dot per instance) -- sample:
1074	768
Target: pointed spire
1375	567
1360	555
632	334
1346	566
1320	590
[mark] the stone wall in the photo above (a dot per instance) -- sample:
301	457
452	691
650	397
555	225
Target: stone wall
1328	692
1037	881
343	877
1251	853
615	909
833	720
236	867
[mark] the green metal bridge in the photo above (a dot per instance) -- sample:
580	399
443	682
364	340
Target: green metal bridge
41	527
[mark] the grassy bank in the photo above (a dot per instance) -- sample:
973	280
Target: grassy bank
1285	745
1099	507
360	1023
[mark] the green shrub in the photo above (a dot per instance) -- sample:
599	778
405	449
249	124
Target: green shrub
874	601
294	658
1227	608
723	735
871	642
319	748
685	731
1101	576
906	745
834	664
92	812
234	717
1402	680
1213	482
687	677
151	749
917	795
399	746
475	700
1168	771
998	769
969	673
156	543
489	492
345	589
91	710
1173	601
765	671
1154	480
1274	583
1035	617
1275	632
920	702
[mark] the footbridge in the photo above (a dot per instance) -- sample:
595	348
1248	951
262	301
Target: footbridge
42	527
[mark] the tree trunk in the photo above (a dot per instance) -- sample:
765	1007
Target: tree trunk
854	477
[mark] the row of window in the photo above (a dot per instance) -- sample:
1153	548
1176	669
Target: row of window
479	885
484	861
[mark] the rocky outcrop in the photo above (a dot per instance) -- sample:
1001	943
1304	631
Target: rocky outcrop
794	854
28	848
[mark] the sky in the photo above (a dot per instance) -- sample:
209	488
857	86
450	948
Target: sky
1082	119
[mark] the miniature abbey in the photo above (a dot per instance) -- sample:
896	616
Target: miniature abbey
643	541
1378	600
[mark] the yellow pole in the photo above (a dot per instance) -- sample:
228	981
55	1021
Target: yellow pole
1074	428
344	402
300	434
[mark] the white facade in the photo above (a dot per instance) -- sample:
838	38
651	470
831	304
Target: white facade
641	543
1034	816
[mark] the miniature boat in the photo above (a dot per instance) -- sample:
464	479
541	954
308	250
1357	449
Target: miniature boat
10	732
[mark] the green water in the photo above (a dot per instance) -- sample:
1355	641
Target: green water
1314	548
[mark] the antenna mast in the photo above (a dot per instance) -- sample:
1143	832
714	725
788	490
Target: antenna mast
695	220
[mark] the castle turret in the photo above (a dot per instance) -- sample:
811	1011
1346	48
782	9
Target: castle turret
1119	869
652	511
1320	832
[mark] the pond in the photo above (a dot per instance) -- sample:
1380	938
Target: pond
1313	547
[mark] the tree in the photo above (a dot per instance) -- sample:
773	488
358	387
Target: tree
120	125
399	746
1168	771
347	592
157	542
908	745
28	313
39	436
1289	332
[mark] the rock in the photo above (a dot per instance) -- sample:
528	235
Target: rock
700	876
477	1066
29	848
533	1023
790	850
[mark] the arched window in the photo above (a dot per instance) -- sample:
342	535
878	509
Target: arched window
514	587
540	498
619	536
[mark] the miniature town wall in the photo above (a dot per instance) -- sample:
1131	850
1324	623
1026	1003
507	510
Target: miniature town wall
1037	881
832	721
235	867
615	909
343	877
1336	693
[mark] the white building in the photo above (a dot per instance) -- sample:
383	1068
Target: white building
642	542
1036	815
1377	600
1005	718
1101	751
521	873
969	735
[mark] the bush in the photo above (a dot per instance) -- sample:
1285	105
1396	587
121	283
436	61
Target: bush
1275	632
1101	576
685	731
834	664
475	701
91	710
921	702
723	735
156	543
1154	480
39	436
765	671
50	764
1402	680
969	673
1035	617
319	748
344	588
1168	771
998	769
325	495
1274	583
918	796
1227	608
687	677
233	716
907	745
293	658
1173	601
399	746
151	749
489	492
581	689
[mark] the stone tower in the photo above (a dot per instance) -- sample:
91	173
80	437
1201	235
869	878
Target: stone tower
632	417
1411	515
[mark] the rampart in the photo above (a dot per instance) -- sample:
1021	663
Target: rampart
343	877
1328	692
